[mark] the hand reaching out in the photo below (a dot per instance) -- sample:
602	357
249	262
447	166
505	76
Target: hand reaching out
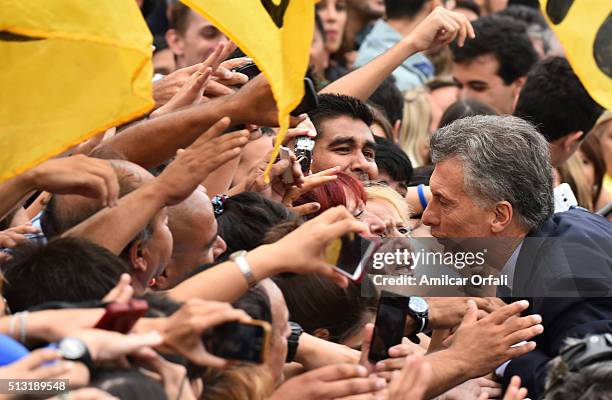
441	27
192	165
85	176
514	391
413	380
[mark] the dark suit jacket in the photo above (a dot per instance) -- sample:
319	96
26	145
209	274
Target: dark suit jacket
565	270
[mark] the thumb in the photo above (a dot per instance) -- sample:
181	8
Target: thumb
471	314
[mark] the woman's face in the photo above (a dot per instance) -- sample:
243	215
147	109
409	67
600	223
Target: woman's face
376	227
394	224
606	145
333	15
587	167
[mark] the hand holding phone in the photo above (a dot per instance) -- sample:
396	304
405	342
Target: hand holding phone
239	341
389	326
122	317
350	253
285	154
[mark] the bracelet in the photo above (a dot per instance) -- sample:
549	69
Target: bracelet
422	198
13	326
22	326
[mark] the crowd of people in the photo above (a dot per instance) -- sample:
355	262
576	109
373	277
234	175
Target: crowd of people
124	257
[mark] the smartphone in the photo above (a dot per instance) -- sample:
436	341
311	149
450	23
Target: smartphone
309	101
303	152
239	341
285	154
122	317
250	70
350	253
564	198
389	326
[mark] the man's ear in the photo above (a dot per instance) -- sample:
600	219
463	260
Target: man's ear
502	216
137	260
321	333
395	129
516	90
175	42
570	141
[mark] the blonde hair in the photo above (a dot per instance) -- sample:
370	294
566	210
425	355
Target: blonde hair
415	124
572	173
238	382
381	191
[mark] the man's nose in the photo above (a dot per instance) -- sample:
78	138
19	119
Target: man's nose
429	216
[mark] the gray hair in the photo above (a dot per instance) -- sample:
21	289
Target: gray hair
504	158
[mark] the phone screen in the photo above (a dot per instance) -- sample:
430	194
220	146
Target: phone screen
349	254
389	326
238	341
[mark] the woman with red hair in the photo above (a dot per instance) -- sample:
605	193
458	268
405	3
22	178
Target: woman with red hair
344	191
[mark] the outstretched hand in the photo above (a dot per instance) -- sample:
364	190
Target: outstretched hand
441	27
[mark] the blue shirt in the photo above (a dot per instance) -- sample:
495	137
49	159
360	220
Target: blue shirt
413	72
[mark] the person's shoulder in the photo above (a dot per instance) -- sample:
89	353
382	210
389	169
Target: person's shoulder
574	221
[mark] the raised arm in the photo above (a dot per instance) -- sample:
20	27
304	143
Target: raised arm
154	141
113	228
72	175
301	252
439	28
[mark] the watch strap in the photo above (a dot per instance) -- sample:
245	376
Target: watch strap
293	340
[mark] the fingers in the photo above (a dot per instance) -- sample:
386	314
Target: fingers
218	127
305	209
506	312
525	334
216	89
205	322
337	229
37	357
341	371
471	314
366	342
24	229
236	62
353	386
518	351
122	293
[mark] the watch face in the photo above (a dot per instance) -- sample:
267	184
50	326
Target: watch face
418	304
71	348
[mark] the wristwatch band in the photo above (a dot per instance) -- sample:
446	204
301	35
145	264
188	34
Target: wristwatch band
293	340
239	258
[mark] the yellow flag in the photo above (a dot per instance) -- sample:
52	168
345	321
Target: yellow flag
70	69
276	34
584	28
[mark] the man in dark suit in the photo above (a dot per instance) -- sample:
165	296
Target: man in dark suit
493	179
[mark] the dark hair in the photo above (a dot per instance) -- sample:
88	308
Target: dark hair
421	175
403	8
338	105
315	302
468	5
464	108
528	15
128	384
256	303
506	39
179	17
246	218
319	26
66	269
334	193
392	160
381	120
554	100
591	147
389	98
